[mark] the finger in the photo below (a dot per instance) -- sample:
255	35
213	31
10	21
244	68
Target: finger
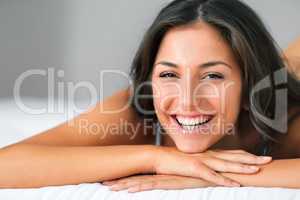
221	165
210	175
184	182
132	181
123	185
158	184
245	158
171	184
152	182
233	151
115	181
126	179
150	185
108	183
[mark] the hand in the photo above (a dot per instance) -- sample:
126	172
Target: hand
206	165
151	182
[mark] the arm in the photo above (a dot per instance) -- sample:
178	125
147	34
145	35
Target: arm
279	173
97	128
286	178
28	166
71	153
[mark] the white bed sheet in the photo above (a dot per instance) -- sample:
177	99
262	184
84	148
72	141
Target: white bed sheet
18	125
97	191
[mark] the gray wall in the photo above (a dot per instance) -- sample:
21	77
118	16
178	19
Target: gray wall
84	37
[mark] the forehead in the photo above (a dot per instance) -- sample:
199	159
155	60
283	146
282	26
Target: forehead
197	42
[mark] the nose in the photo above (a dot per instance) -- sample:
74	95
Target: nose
187	101
194	96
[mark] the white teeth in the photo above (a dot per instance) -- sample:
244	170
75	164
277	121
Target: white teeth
188	121
191	125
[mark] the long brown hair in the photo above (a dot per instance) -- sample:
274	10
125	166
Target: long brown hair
254	48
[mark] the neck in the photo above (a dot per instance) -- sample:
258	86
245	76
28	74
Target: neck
245	136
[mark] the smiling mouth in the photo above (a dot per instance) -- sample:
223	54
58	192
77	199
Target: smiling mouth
192	124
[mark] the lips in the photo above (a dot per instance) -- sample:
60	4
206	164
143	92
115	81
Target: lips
192	121
191	124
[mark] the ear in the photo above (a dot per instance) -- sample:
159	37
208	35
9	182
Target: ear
245	107
245	104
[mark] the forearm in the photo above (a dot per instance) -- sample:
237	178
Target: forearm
279	173
28	166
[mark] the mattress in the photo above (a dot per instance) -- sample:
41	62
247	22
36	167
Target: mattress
17	125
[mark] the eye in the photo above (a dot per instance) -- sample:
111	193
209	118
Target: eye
213	76
167	75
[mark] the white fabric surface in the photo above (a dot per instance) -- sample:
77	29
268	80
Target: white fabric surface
99	192
17	125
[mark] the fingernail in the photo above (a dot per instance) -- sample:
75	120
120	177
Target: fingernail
253	168
234	184
132	189
266	158
114	186
108	183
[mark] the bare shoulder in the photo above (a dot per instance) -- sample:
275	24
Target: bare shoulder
293	50
110	122
292	57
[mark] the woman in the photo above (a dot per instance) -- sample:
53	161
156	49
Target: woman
217	88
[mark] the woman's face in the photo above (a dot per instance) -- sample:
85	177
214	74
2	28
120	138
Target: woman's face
196	86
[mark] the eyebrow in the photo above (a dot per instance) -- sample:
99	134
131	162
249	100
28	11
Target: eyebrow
203	65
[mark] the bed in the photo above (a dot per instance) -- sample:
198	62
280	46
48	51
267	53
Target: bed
18	125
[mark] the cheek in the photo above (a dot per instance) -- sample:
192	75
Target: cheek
224	99
164	94
230	102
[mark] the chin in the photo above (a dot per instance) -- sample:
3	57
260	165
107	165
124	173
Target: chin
192	148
